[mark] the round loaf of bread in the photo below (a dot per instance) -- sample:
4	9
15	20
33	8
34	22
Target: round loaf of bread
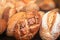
50	27
23	25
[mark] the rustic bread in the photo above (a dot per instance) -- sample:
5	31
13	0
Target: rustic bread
23	25
50	27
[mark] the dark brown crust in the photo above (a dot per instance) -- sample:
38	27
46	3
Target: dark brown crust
2	25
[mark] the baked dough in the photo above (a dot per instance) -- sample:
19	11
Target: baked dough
50	27
46	4
23	25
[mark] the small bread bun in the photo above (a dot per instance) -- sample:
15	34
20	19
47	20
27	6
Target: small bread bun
46	4
50	27
23	25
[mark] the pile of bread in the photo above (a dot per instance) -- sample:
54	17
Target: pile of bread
22	19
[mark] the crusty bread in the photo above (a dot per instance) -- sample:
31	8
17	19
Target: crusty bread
6	11
23	25
50	28
46	4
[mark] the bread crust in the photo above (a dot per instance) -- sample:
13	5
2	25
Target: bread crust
49	29
23	25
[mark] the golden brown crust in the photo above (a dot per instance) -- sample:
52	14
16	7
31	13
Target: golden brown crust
30	8
6	11
20	6
26	1
13	19
25	27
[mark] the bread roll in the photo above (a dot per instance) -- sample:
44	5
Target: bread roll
6	11
50	27
31	6
23	25
46	4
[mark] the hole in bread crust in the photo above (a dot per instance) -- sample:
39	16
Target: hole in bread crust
20	27
33	21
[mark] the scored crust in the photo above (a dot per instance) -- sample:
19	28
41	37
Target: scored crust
50	25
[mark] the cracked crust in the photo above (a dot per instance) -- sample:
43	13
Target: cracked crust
23	25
